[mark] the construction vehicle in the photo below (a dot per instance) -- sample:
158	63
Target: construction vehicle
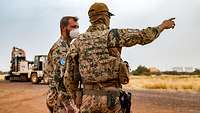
24	70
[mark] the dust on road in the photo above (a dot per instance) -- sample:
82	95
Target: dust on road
28	98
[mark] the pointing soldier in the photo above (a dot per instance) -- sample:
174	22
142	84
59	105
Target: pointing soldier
101	73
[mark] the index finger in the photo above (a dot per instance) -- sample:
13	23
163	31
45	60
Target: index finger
172	19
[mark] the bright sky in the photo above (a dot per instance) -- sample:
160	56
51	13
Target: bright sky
33	25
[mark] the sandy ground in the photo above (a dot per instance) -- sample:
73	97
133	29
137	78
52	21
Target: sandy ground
28	98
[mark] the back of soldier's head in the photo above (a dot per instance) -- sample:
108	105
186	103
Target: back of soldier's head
98	11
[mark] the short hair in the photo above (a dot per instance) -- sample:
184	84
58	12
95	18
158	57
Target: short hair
64	21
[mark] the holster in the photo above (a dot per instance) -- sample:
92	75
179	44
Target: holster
111	100
123	73
125	101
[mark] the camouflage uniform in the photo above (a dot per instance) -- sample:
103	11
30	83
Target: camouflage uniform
101	72
115	52
58	99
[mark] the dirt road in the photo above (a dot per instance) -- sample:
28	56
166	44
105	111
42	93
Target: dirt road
28	98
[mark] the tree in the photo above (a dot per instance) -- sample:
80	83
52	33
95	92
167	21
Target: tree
141	70
197	71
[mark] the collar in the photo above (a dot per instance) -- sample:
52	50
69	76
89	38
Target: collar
97	27
61	39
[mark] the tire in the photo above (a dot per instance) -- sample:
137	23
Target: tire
11	78
7	77
34	78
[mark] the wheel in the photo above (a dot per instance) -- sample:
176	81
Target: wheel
46	80
34	78
12	79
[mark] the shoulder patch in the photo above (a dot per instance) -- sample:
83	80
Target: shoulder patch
62	61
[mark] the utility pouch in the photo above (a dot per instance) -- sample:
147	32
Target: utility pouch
123	73
110	100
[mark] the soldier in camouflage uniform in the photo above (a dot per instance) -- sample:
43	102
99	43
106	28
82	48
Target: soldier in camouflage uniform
102	73
58	99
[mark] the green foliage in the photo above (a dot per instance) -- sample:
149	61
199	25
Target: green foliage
197	71
141	70
172	73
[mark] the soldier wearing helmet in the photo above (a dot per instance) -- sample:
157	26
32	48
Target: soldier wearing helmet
103	74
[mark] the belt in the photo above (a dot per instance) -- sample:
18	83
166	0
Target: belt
96	86
101	92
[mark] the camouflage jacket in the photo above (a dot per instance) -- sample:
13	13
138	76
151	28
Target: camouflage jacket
113	51
91	49
55	66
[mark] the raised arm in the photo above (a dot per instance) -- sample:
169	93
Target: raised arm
131	37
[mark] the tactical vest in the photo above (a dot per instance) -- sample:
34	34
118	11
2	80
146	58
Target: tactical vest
95	63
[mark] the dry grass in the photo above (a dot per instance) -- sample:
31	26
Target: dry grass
183	83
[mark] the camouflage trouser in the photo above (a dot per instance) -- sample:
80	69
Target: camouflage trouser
98	104
57	102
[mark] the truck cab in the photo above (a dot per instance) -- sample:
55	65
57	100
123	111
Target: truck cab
37	72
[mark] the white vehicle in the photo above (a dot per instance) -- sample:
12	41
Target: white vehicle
23	70
37	71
